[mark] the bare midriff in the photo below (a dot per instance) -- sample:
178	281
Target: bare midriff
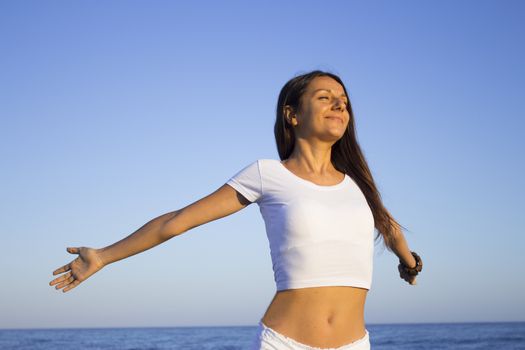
325	317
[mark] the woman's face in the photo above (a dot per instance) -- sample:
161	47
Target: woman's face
322	113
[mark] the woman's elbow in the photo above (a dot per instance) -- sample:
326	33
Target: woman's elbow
172	226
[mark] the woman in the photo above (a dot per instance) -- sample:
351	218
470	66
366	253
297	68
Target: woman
320	206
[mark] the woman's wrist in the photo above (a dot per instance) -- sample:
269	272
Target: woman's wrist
412	264
102	257
417	267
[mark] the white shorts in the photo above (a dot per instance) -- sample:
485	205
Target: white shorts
269	339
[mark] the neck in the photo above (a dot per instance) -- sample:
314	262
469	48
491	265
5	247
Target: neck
311	158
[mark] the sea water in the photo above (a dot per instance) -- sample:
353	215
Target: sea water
457	336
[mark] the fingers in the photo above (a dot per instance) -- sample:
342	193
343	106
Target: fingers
411	279
407	277
65	282
64	268
73	250
60	279
67	267
71	286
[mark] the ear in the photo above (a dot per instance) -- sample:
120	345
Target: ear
289	115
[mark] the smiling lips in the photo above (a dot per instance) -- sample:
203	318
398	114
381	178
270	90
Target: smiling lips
335	118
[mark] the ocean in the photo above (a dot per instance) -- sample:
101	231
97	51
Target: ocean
457	336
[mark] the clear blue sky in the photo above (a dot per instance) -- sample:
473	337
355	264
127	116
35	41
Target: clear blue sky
115	112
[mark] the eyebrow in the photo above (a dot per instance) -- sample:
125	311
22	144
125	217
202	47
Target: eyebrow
315	91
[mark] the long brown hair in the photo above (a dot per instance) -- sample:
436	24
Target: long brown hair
346	155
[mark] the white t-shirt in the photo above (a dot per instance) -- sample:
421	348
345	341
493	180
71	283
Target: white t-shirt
318	235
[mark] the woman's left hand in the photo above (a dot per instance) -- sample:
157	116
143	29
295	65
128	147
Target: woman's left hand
404	275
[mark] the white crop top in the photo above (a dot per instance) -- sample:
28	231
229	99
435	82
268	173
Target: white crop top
318	235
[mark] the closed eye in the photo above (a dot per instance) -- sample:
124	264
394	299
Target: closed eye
344	101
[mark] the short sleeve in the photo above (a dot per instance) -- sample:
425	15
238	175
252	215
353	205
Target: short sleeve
248	182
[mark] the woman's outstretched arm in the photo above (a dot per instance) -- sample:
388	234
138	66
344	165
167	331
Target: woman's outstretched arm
224	201
400	248
148	236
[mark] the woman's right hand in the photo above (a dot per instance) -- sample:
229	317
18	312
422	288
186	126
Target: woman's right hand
86	264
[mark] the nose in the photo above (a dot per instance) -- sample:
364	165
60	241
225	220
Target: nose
340	104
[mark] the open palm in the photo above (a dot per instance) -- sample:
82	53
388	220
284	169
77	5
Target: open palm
86	264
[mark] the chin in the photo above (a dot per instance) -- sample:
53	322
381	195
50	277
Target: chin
332	137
